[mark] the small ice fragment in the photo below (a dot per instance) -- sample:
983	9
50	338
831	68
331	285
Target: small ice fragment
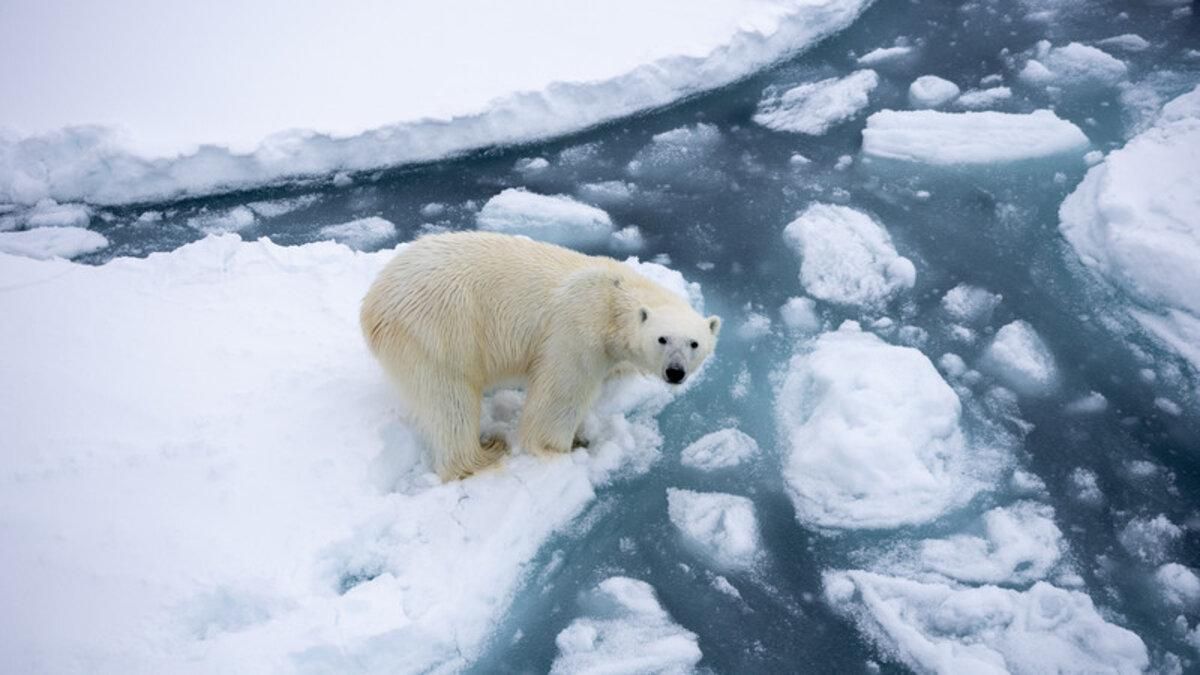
1021	359
815	107
1090	404
360	234
799	314
1150	539
931	91
719	450
721	527
557	219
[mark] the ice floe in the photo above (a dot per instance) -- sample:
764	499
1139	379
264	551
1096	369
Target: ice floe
1179	585
847	257
945	138
720	527
1019	544
1020	358
800	315
558	219
931	91
52	242
1073	64
815	107
719	450
361	233
1150	539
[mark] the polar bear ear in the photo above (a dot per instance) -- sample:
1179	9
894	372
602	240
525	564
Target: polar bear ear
644	314
714	324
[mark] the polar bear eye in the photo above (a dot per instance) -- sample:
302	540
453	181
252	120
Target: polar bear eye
695	344
662	340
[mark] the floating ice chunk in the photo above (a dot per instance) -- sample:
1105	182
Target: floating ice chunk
1179	585
1073	65
816	107
628	239
741	384
979	99
1128	42
719	450
531	164
755	326
1093	402
360	234
933	627
944	138
800	315
558	219
607	192
1020	544
931	91
1132	220
719	526
1150	539
220	222
49	213
884	54
278	207
1019	357
433	209
953	365
847	257
1168	406
52	242
625	630
970	304
871	435
674	151
1087	486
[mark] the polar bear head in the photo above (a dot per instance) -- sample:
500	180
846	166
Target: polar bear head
673	341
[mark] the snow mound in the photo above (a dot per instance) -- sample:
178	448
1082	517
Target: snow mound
1019	545
719	450
1019	357
721	527
1073	65
156	503
626	631
558	219
360	234
934	627
558	71
816	107
931	91
846	257
52	242
948	139
1132	220
871	435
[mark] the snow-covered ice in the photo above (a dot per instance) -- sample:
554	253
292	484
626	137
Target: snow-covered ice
800	315
946	138
847	257
49	213
754	327
931	91
1150	539
52	242
558	219
871	435
884	55
1073	64
103	133
1020	358
815	107
1179	585
625	630
1133	222
721	527
719	450
361	233
219	222
1019	544
980	99
970	304
1129	42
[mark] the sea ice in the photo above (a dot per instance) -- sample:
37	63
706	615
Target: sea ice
800	315
52	242
1020	544
884	54
970	304
625	630
1129	42
360	234
558	219
1179	585
931	91
944	138
719	450
49	213
871	435
721	527
219	222
846	257
815	107
1150	539
754	327
979	99
1073	65
1020	358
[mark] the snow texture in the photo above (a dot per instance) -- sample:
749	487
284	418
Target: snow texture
719	450
251	477
816	107
931	91
948	139
846	257
1021	359
305	108
720	527
52	242
871	435
557	219
1132	220
626	630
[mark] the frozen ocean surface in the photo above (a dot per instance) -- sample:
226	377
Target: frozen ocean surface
972	446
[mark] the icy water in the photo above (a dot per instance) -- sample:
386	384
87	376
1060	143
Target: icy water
719	217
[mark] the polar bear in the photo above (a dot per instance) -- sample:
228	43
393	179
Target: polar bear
453	315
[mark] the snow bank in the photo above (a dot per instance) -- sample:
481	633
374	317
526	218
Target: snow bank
558	219
1072	65
719	450
230	486
305	105
1132	220
816	107
847	257
947	139
871	435
721	527
1019	545
931	91
934	627
360	234
626	631
52	242
1019	357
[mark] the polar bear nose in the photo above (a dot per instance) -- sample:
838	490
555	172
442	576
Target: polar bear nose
675	374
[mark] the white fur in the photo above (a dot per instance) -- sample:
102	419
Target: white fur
456	314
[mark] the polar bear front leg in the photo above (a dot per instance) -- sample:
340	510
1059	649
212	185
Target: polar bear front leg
446	410
555	406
